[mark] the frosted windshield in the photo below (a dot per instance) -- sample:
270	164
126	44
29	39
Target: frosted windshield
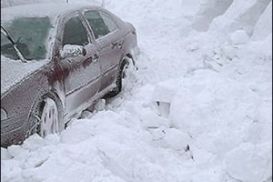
30	35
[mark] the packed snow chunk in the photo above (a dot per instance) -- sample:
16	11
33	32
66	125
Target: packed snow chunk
163	95
239	37
221	141
260	129
16	151
177	140
35	141
263	47
190	7
163	108
250	163
208	101
152	119
164	91
78	131
202	156
263	27
191	104
5	154
11	171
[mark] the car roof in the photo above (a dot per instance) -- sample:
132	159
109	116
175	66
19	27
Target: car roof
51	10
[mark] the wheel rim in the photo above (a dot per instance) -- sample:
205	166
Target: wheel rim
49	118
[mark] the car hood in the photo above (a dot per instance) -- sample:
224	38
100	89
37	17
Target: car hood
13	72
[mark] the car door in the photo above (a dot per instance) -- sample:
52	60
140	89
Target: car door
109	41
82	81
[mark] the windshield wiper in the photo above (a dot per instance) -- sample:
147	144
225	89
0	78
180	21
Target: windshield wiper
20	55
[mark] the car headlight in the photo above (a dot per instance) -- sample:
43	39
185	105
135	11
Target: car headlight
4	114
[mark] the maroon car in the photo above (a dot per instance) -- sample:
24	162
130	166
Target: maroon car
56	60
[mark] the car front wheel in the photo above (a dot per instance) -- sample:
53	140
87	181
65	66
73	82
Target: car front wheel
49	123
47	117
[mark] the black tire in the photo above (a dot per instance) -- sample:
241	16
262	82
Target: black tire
121	75
37	111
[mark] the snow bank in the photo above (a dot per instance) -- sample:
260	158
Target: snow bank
250	162
263	28
241	15
209	10
199	106
239	37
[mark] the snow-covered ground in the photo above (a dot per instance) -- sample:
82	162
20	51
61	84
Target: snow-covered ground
198	109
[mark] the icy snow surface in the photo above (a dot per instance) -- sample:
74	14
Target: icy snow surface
199	108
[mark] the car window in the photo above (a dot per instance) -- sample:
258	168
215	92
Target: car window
30	35
97	23
7	48
75	33
112	26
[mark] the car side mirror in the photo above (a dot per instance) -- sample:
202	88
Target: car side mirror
72	51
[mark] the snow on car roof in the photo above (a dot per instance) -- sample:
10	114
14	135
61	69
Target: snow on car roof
52	10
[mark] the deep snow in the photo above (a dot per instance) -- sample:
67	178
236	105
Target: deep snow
199	108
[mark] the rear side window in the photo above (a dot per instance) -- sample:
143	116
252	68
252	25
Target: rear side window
100	23
75	33
112	26
97	24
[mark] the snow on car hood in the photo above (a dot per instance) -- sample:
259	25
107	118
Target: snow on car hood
13	72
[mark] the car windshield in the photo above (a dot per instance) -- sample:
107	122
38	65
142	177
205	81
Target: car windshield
29	34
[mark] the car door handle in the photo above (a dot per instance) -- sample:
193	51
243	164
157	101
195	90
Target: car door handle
120	45
114	44
117	44
95	58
